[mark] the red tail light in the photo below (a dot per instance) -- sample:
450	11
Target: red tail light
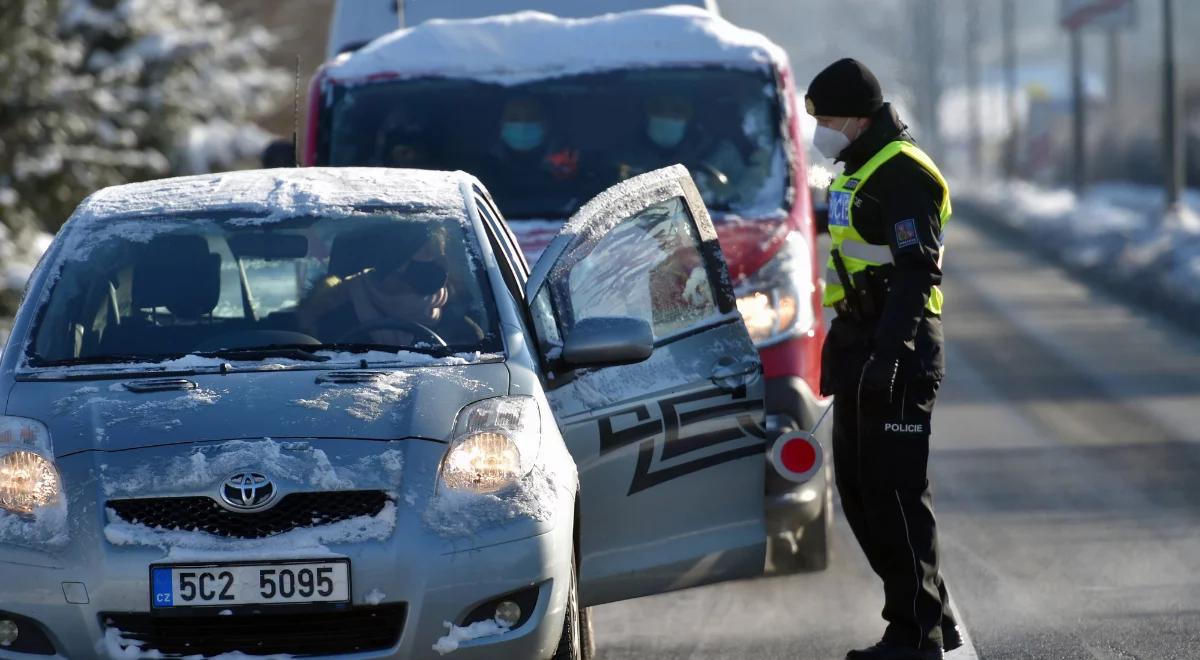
797	457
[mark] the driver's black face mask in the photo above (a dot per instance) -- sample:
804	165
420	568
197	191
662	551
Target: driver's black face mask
425	277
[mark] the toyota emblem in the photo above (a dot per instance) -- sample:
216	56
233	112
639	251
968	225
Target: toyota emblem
248	491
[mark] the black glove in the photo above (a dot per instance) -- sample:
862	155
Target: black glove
879	374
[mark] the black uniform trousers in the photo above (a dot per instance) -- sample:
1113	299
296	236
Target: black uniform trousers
880	455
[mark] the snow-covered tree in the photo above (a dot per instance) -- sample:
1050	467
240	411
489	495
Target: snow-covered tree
98	92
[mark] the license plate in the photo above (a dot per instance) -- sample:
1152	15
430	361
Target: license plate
224	585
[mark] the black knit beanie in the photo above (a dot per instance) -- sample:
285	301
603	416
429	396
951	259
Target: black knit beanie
845	88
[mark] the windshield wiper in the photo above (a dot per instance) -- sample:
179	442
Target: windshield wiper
297	352
113	358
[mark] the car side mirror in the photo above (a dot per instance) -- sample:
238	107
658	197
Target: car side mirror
608	341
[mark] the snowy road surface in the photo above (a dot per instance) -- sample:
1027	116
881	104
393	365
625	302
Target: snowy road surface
1066	472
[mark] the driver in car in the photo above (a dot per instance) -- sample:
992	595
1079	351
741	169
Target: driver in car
400	300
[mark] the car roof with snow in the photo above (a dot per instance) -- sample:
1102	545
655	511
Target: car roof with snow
526	46
284	193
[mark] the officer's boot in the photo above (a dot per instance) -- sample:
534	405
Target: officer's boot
951	637
886	651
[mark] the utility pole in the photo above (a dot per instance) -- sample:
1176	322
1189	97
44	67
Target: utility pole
1078	102
926	67
975	139
1114	77
1008	20
1172	134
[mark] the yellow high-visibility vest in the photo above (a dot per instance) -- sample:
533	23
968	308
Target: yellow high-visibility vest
857	253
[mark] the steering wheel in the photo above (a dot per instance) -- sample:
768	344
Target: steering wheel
412	327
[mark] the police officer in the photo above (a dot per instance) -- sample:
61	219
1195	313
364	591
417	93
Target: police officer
882	359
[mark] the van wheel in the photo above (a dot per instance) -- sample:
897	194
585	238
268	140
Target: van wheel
572	644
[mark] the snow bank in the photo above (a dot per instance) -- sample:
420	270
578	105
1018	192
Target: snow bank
219	144
1118	232
457	634
518	48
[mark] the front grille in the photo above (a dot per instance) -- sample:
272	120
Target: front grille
203	514
308	634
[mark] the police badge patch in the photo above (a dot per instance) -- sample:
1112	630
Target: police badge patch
906	233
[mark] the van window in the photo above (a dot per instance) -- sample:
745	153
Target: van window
546	147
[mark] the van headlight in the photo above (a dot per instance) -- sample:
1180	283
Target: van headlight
776	301
495	443
29	479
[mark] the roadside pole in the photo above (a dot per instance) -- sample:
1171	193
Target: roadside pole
1079	113
1114	76
1013	144
1172	133
1112	16
973	121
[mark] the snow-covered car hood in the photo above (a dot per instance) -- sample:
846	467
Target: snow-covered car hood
373	403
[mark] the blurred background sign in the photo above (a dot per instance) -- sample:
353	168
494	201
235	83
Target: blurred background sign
1098	14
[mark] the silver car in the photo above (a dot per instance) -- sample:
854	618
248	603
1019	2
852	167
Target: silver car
330	412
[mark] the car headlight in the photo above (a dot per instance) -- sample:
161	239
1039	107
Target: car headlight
28	478
775	302
495	443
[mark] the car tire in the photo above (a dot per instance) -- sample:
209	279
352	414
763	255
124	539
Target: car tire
571	644
587	633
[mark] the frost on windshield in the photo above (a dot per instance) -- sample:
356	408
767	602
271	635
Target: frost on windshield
203	276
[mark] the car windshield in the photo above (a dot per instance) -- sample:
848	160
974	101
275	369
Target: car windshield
151	289
546	147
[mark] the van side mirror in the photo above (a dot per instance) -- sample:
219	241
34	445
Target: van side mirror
820	204
608	341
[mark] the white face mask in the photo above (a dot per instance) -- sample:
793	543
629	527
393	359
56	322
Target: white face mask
831	142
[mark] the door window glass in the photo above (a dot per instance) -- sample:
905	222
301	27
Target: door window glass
649	266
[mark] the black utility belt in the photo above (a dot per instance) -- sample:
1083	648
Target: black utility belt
845	310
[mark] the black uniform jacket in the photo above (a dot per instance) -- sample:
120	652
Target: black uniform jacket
898	205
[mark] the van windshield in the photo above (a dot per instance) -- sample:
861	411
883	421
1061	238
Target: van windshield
545	148
152	289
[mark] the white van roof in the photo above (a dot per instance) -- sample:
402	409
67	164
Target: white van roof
418	11
529	46
356	23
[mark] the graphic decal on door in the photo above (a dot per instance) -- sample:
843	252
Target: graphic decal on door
689	424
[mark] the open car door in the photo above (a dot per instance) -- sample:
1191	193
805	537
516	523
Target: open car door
670	447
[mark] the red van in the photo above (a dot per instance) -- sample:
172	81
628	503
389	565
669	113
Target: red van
548	112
